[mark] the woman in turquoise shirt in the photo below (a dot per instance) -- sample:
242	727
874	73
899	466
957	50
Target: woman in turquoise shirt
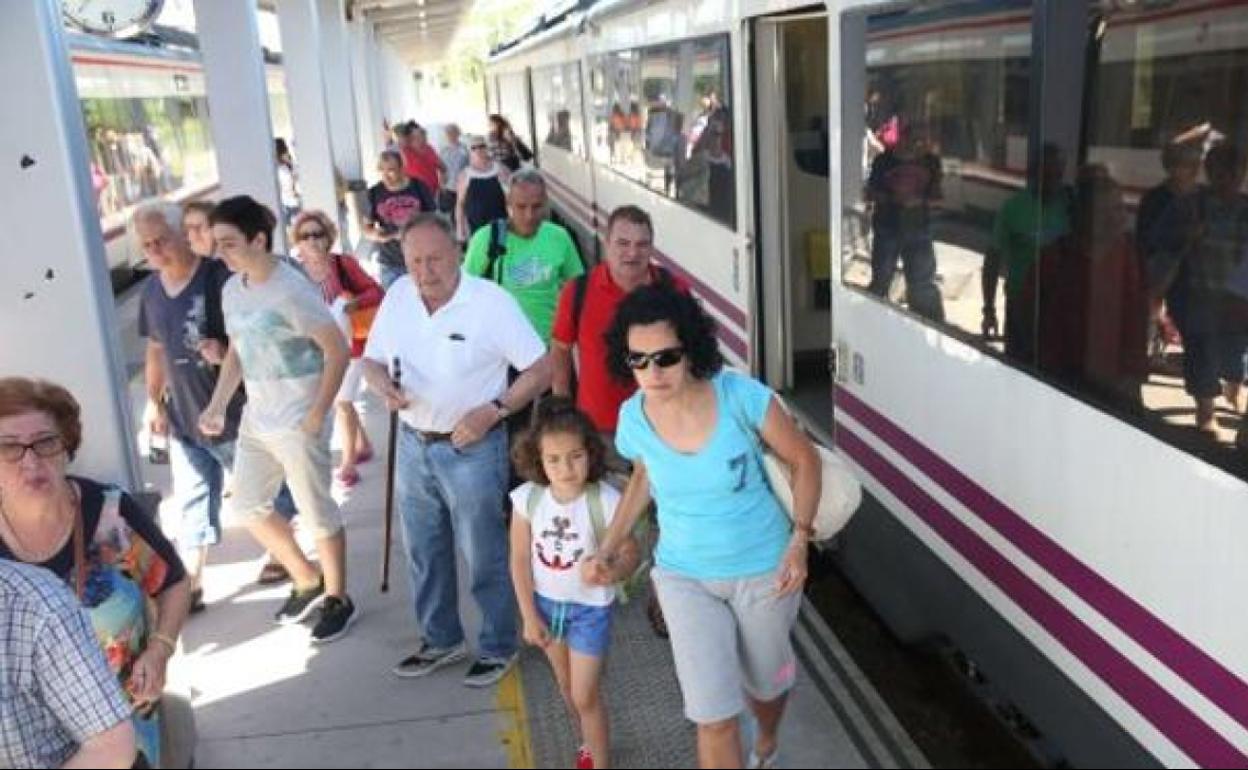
729	564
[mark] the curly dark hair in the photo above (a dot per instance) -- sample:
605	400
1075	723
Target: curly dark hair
557	415
19	395
663	302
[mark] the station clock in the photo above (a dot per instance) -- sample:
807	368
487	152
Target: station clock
112	18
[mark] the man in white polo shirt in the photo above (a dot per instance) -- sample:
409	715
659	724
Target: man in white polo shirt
455	337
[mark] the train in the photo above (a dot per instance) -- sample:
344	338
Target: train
1082	552
145	120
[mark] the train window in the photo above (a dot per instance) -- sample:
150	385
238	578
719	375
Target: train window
557	107
943	115
1143	303
662	118
146	147
1098	201
806	97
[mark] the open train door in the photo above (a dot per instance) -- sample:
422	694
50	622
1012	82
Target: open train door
792	165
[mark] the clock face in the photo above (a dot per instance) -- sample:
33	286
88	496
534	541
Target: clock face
112	18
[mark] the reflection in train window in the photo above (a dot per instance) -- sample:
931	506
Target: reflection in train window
1087	218
557	107
143	147
944	127
662	118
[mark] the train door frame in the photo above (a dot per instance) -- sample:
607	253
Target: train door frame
775	313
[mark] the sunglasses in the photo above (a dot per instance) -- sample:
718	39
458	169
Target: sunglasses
307	235
478	147
664	359
46	446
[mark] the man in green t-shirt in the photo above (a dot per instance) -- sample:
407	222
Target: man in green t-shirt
1028	222
537	257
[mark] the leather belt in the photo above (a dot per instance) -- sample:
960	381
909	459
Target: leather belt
432	437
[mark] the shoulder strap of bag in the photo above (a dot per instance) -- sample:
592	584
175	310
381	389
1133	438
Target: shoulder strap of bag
80	548
498	247
535	499
578	302
597	516
743	422
343	278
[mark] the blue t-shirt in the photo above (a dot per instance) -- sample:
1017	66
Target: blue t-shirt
179	324
718	518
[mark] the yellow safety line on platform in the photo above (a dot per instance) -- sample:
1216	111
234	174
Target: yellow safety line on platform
515	732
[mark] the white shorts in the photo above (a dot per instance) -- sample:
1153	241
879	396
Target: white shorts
351	381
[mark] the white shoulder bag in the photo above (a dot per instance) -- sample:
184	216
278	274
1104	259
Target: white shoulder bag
841	491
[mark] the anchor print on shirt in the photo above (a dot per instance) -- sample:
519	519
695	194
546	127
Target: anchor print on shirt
557	546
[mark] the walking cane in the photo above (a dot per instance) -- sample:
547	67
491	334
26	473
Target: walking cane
391	457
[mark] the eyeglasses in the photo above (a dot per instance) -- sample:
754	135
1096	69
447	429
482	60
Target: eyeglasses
478	147
308	235
666	358
45	446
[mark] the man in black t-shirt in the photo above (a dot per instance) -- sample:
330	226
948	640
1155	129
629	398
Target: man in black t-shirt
391	202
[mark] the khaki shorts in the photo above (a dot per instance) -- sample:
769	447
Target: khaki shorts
263	461
729	638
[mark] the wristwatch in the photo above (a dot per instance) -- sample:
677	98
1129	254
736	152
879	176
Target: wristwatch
504	411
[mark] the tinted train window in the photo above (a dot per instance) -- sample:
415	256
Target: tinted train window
557	107
1087	218
943	120
146	147
1152	280
662	117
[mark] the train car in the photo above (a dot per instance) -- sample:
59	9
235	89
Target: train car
1057	517
145	115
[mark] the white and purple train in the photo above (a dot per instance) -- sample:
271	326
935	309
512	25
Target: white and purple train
1086	555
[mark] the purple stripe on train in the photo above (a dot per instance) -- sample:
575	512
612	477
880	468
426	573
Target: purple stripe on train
1197	739
1201	671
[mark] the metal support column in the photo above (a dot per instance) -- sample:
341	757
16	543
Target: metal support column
56	301
340	88
302	59
1059	45
238	101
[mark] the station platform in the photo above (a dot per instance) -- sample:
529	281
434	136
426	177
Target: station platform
264	697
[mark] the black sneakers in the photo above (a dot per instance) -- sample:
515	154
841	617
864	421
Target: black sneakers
300	604
337	615
487	671
429	659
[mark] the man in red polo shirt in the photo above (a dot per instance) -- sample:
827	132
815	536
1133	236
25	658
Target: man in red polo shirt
630	245
581	321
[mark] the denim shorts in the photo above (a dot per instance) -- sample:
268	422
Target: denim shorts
584	628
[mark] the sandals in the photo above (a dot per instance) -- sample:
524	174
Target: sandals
348	478
749	733
272	573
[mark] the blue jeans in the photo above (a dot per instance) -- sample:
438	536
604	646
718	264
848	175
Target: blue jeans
448	498
198	481
918	259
